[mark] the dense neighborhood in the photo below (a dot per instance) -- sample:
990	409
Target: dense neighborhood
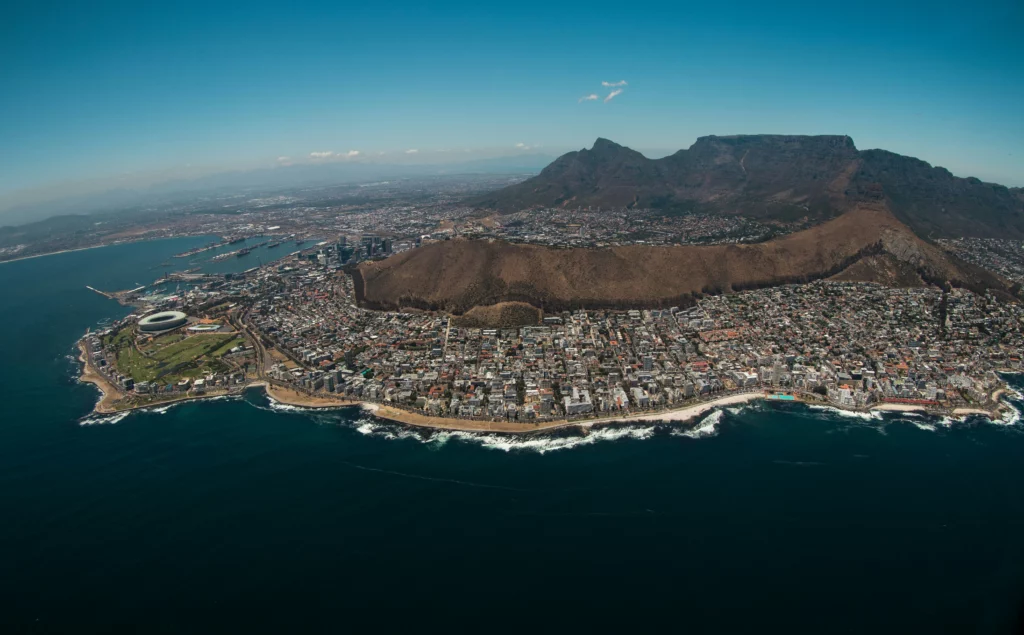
853	345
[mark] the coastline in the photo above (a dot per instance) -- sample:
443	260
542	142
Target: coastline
68	251
899	407
108	393
680	415
110	244
289	397
295	398
691	412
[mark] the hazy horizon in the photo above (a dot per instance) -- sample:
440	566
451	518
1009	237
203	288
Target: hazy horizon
109	97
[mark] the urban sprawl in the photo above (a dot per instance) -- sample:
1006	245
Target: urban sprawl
295	324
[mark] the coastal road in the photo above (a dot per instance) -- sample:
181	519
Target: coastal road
261	352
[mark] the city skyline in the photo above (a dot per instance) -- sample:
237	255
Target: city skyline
107	96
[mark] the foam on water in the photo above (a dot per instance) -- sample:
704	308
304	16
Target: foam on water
1010	417
97	419
277	406
283	407
538	443
162	409
871	415
708	427
543	445
738	410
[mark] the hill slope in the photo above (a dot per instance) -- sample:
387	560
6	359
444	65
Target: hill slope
771	175
457	275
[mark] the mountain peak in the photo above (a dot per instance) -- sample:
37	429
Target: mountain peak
602	144
605	150
771	176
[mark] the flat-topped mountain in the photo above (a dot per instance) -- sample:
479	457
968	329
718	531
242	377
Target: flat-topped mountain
779	176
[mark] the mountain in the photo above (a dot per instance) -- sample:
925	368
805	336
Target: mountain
867	243
777	176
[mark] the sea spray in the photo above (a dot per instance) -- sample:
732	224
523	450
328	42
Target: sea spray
541	442
707	427
871	415
104	419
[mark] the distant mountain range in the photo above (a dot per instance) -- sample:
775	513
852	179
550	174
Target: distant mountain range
777	176
263	180
874	211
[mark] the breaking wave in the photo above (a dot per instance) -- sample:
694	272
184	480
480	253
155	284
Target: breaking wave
1012	416
270	405
539	443
543	442
707	427
871	415
283	407
164	408
97	419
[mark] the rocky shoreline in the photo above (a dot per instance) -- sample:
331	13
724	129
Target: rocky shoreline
110	395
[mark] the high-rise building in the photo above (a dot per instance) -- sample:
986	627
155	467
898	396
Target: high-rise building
371	245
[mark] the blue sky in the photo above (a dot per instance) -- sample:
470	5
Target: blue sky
125	93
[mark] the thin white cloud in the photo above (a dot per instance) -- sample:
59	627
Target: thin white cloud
284	160
522	146
590	97
411	151
612	95
353	154
326	154
621	82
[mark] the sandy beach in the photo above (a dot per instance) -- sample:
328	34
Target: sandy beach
446	423
295	398
676	416
109	394
899	407
690	412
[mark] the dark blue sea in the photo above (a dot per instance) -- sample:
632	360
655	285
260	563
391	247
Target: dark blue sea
241	516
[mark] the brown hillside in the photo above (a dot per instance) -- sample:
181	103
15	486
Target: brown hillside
460	274
884	269
501	315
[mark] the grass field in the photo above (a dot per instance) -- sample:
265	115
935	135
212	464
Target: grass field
171	357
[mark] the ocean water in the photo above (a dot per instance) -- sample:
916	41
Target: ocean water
244	516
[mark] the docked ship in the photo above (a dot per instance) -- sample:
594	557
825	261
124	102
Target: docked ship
272	245
244	252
